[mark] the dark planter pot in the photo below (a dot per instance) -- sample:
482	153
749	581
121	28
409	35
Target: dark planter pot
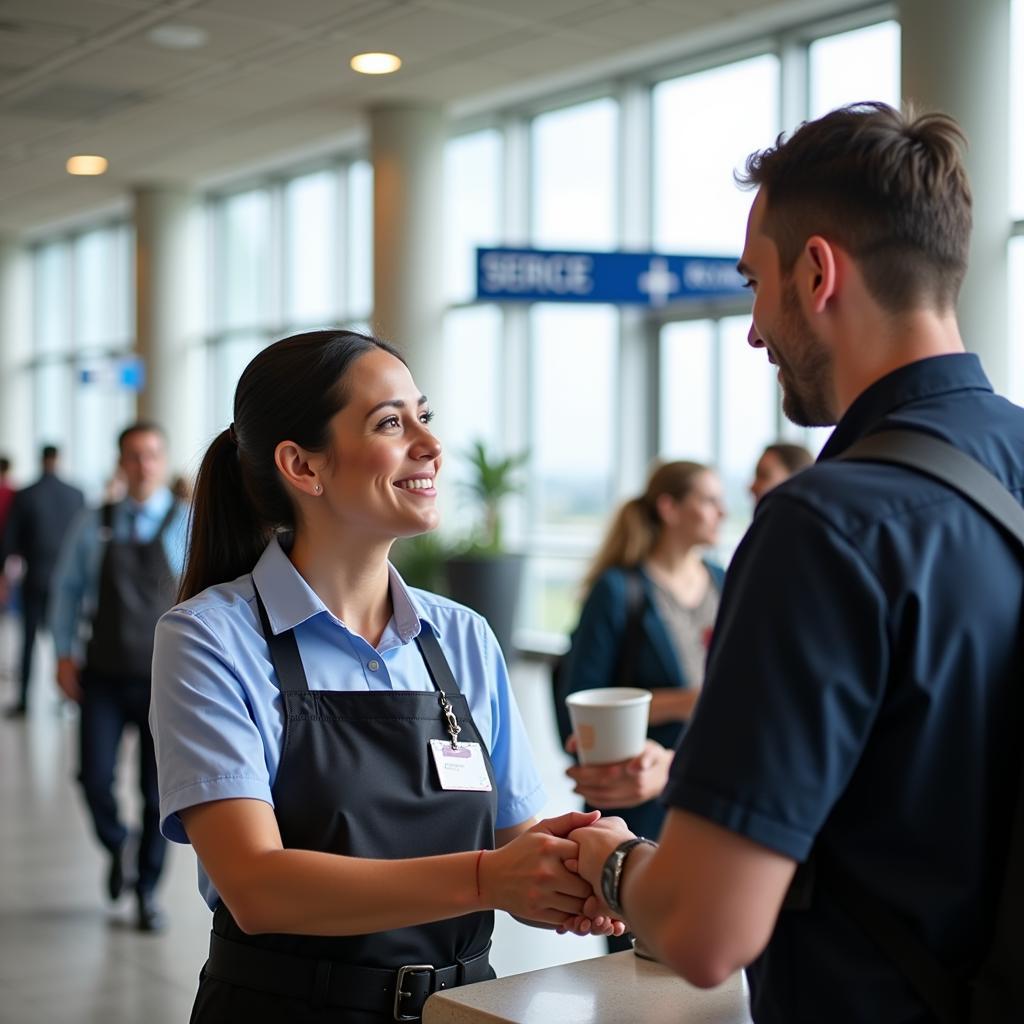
490	585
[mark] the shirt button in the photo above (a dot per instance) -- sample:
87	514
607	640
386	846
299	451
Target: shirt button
373	665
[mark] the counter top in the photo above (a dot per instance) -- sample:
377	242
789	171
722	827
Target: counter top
614	989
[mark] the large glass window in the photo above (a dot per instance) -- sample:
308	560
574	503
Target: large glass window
52	294
473	408
359	298
705	125
101	275
1016	255
573	416
574	176
1017	109
288	256
311	249
244	296
749	392
688	399
853	66
83	308
472	186
719	404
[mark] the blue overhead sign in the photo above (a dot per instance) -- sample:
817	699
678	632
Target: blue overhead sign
127	373
618	278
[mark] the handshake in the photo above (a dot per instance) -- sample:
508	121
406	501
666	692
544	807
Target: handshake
550	874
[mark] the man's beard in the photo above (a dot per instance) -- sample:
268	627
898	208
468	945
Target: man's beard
806	372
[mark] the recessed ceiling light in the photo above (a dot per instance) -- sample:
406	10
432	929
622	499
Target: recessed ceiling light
85	164
375	63
178	37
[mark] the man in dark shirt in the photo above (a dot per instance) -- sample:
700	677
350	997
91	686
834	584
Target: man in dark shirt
860	688
39	517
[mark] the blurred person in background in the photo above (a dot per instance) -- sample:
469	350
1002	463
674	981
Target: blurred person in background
778	462
652	597
118	573
39	518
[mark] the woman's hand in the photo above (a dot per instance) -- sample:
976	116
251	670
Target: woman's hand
625	783
528	876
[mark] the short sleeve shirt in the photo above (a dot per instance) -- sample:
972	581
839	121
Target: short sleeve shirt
859	695
216	711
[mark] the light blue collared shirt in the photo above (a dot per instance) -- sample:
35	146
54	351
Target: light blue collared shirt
216	711
76	579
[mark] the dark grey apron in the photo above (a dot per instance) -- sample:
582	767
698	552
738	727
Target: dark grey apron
136	586
356	778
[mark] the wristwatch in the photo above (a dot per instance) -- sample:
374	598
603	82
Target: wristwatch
611	873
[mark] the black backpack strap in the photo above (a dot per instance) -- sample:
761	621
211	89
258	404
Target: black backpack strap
633	634
947	998
948	465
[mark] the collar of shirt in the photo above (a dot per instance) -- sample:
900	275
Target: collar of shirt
924	378
151	511
290	600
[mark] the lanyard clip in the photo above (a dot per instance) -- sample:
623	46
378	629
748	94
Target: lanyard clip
450	720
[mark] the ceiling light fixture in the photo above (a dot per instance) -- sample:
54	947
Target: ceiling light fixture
178	37
88	165
375	63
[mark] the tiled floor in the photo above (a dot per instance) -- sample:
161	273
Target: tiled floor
68	957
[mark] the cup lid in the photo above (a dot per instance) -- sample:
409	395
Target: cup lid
621	696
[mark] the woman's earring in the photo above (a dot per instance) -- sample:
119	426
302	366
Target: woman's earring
317	489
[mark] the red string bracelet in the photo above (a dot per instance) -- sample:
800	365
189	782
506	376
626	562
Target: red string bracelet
479	857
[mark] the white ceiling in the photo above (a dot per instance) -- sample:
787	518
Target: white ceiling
81	76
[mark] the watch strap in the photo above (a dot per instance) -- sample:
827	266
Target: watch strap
611	873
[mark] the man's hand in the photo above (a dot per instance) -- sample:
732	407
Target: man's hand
625	783
595	843
68	679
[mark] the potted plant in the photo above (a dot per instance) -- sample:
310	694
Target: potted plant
421	561
481	573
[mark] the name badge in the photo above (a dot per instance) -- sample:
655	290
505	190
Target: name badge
462	768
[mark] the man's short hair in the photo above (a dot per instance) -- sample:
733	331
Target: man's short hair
139	427
49	452
889	188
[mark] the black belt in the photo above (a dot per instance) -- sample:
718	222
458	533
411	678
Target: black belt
400	992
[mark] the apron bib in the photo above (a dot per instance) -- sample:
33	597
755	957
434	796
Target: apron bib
356	778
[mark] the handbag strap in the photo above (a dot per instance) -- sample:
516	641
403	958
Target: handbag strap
633	635
946	998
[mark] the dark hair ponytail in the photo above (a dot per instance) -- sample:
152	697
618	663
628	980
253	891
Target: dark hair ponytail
289	392
226	536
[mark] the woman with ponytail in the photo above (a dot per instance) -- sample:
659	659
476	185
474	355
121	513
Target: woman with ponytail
343	752
646	621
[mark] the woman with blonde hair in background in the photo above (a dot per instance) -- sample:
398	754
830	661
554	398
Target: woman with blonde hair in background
651	602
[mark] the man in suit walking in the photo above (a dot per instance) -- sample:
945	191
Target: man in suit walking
39	517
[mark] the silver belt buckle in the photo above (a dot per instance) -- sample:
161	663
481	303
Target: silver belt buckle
399	994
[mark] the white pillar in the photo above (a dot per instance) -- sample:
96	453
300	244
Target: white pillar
956	58
165	272
406	146
15	349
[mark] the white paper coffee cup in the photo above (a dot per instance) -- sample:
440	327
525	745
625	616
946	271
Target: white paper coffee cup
610	723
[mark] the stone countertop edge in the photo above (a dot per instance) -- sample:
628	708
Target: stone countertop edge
612	989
